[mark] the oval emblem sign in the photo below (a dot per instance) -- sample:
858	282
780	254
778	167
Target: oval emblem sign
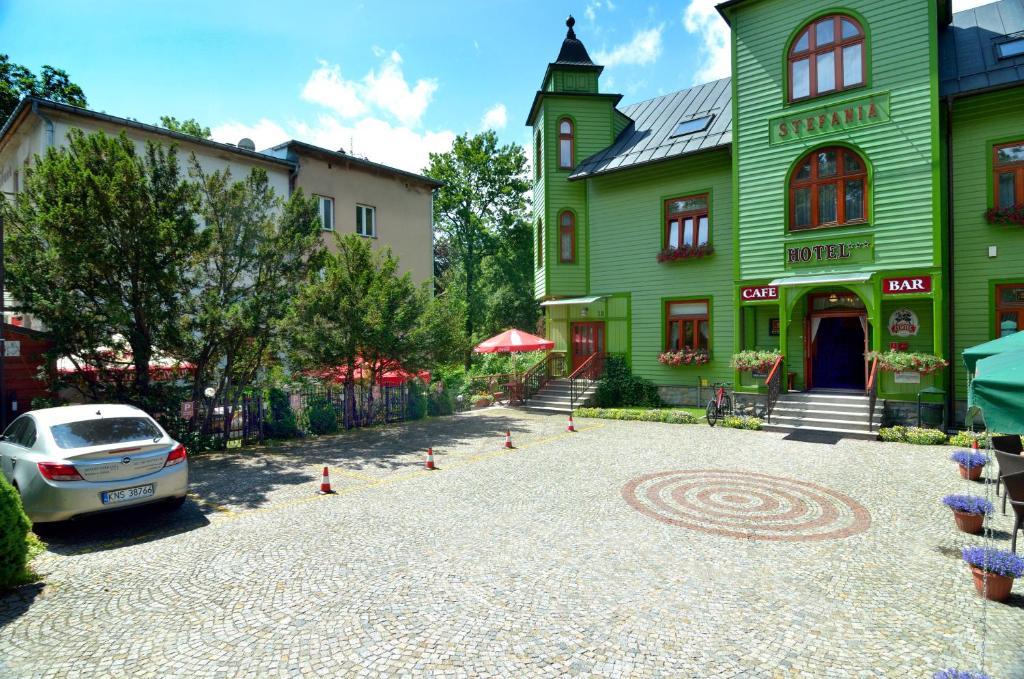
126	460
903	323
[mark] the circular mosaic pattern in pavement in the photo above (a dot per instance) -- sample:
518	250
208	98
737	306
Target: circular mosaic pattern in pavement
746	505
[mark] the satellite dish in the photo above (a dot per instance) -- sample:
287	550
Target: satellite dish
247	144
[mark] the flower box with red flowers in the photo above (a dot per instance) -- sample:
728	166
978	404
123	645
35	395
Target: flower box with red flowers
687	356
685	252
1005	216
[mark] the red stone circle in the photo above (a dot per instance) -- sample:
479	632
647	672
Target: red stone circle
742	504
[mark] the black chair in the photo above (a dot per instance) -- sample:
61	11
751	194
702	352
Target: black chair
1008	464
1013	484
1010	443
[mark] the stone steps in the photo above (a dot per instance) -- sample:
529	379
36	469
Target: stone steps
843	413
556	397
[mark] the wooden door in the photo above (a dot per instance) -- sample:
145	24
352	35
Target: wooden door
585	340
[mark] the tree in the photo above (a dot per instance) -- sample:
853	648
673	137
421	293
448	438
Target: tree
507	281
17	82
249	261
190	126
98	241
484	194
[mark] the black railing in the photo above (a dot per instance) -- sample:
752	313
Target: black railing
774	384
548	368
871	391
584	376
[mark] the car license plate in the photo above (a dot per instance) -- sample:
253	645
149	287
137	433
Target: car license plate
125	494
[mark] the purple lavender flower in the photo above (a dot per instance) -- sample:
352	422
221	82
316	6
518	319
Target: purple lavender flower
969	458
995	561
971	504
953	673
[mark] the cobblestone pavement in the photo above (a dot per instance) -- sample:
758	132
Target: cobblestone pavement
626	549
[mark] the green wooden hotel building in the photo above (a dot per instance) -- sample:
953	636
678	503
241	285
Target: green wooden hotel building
856	186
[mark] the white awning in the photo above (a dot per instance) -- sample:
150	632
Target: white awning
572	300
822	279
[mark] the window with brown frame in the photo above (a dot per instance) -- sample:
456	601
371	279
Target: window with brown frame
540	243
687	222
1009	309
686	325
566	144
567	237
828	55
1008	174
828	188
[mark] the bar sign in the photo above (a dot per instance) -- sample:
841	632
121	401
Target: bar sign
906	285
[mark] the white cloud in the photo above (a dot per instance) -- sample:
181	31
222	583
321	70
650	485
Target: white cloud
384	90
643	49
496	118
703	20
378	140
961	5
265	133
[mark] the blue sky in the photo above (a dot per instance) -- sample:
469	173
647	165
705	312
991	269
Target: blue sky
393	79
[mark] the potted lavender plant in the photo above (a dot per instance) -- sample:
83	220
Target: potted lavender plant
968	511
993	571
953	673
971	463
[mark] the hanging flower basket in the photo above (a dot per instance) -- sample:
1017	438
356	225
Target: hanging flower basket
685	252
994	571
755	361
1005	216
971	463
968	511
687	356
908	361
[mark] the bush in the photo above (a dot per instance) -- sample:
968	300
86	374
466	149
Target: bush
995	561
970	504
742	422
440	401
321	416
968	458
966	439
619	387
416	408
281	422
14	527
667	416
917	435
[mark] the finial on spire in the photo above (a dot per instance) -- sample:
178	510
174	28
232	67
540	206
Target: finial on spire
570	22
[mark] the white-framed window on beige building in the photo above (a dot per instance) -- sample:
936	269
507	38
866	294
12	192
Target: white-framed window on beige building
366	221
326	212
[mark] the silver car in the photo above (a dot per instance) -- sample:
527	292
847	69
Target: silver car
83	459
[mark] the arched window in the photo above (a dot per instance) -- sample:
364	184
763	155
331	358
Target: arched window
1008	168
540	243
566	144
828	55
567	237
828	188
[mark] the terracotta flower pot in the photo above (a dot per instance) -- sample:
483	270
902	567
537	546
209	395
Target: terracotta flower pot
969	523
970	473
999	586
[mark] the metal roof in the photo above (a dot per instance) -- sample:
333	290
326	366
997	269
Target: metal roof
649	139
968	61
293	148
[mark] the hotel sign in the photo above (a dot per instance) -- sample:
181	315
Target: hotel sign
828	120
906	285
858	250
759	293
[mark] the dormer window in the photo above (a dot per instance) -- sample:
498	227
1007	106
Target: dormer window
566	144
692	125
1011	48
827	56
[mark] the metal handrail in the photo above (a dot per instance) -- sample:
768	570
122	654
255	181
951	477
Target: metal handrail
774	384
540	373
871	391
589	372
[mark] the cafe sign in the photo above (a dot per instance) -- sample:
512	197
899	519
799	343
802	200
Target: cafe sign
906	285
903	323
759	293
831	251
829	120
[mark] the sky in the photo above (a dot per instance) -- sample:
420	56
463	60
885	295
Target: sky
391	80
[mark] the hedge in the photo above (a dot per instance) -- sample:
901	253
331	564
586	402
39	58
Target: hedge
915	435
666	415
14	527
742	422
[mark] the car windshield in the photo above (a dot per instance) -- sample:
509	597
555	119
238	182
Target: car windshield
101	432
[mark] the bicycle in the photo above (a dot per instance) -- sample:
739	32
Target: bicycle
720	404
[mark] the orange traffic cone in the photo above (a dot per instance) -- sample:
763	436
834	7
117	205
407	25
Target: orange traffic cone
430	459
325	483
508	438
570	427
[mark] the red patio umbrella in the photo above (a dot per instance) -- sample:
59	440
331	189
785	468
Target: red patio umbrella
513	341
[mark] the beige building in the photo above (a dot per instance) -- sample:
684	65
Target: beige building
392	207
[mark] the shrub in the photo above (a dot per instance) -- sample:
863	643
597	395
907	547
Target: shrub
416	407
760	361
620	387
966	439
953	673
969	458
742	422
440	401
971	504
995	561
322	418
281	423
14	527
917	435
666	415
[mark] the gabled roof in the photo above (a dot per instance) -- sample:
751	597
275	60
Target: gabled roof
293	148
968	61
649	139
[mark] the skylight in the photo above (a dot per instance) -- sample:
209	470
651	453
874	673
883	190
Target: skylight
693	125
1013	48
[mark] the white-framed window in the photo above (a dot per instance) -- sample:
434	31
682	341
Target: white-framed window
326	213
366	221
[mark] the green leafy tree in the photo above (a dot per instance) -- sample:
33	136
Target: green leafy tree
190	126
483	197
507	281
98	243
17	82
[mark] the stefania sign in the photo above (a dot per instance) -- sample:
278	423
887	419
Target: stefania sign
827	120
834	251
904	323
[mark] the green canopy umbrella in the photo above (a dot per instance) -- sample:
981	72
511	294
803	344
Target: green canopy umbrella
1012	342
997	392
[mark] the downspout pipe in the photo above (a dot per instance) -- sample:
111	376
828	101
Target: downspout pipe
49	139
948	266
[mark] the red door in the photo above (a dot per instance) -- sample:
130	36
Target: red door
586	339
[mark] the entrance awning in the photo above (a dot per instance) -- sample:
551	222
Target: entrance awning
572	300
822	279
